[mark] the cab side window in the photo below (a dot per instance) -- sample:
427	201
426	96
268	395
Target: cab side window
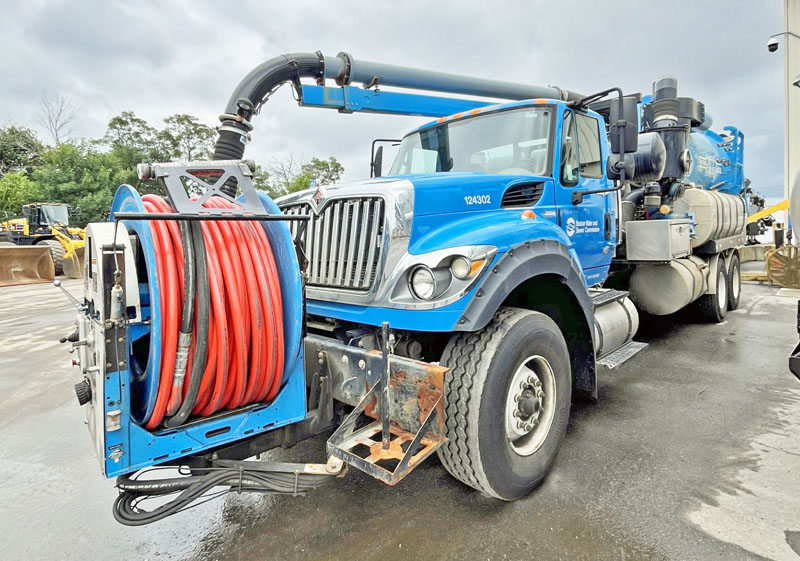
569	150
589	146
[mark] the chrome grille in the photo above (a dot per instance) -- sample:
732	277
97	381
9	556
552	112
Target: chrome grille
343	242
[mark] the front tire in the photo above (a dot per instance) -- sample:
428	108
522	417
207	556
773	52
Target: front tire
57	252
507	402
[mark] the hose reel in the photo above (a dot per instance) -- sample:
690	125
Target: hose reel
244	336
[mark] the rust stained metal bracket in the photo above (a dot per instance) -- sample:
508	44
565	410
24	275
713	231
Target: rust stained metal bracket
408	424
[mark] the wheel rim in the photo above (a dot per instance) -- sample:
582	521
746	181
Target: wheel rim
736	282
530	405
722	291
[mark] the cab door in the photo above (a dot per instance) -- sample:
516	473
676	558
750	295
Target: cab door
590	223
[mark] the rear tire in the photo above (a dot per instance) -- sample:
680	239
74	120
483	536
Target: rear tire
507	401
713	306
734	282
57	252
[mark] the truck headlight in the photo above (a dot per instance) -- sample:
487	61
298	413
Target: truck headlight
464	268
439	277
461	267
427	283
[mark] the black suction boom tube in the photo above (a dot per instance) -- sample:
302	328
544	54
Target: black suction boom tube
260	82
249	94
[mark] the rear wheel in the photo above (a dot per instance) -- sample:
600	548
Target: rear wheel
57	252
713	306
507	402
734	282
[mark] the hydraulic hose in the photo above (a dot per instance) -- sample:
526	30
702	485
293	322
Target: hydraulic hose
200	355
187	315
235	327
190	489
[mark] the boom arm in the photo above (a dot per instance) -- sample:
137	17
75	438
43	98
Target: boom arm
250	94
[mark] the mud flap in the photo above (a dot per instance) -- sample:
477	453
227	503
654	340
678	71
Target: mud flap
25	264
398	423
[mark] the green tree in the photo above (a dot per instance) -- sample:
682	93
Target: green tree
290	176
78	174
132	140
16	189
20	149
188	138
326	172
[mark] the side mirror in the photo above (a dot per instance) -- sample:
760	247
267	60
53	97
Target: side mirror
377	162
630	115
376	155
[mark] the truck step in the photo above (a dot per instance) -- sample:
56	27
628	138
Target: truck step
617	358
601	297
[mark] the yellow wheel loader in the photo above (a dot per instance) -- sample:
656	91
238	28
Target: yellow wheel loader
43	225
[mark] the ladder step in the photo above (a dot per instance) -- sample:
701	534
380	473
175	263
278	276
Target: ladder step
601	297
621	355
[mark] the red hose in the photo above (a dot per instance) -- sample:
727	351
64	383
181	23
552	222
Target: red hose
245	359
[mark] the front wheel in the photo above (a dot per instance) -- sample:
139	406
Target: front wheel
507	402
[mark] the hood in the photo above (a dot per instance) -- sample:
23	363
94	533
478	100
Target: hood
434	193
439	193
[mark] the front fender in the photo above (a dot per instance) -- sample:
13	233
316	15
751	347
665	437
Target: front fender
544	259
520	263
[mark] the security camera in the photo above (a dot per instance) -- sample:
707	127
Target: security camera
796	81
772	44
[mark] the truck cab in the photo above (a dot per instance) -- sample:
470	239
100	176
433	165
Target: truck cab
462	192
475	232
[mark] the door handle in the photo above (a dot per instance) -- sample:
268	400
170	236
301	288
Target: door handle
577	196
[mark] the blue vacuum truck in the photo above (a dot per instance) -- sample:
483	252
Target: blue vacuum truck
455	302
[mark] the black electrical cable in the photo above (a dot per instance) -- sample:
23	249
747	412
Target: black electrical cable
189	279
200	273
187	318
194	487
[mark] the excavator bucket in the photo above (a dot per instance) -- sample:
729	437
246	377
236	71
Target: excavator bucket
25	264
73	263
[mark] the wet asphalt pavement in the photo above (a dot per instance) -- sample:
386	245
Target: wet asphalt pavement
691	452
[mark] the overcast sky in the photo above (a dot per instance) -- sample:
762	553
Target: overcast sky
161	58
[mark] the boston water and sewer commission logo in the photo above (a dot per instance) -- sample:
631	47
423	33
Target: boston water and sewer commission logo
570	226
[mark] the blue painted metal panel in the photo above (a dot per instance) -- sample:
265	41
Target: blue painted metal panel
133	392
291	283
717	161
502	228
144	377
455	192
584	223
141	448
350	98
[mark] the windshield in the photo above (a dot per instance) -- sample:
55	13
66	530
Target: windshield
52	214
507	142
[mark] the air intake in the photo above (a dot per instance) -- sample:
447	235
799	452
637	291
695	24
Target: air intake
524	194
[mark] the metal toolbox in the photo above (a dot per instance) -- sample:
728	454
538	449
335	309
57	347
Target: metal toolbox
658	240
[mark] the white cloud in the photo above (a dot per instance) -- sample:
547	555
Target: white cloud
160	58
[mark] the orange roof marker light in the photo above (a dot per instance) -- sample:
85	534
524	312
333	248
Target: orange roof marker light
541	101
528	214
